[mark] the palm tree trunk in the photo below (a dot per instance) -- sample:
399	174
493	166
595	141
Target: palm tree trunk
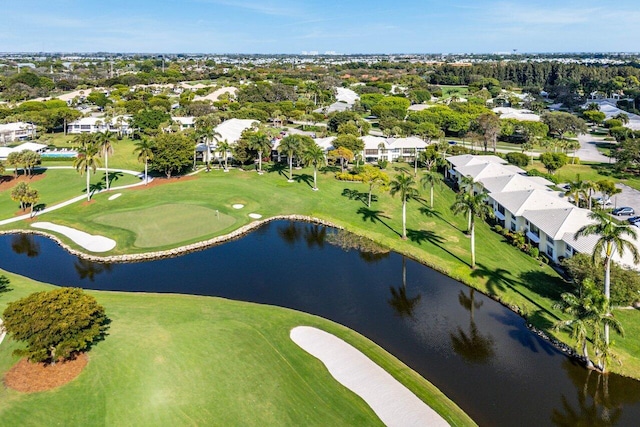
607	293
106	168
315	173
88	184
585	354
431	196
259	161
290	168
473	245
404	219
146	175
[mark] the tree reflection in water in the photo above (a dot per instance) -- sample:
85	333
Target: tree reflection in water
25	244
400	302
472	346
89	270
312	234
595	407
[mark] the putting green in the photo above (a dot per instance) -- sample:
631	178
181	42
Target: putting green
168	224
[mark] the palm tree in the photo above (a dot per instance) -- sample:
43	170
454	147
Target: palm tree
104	142
405	185
473	205
430	179
314	155
88	159
144	148
223	150
290	145
259	141
611	239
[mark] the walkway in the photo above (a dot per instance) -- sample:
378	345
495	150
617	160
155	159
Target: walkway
75	199
395	404
589	151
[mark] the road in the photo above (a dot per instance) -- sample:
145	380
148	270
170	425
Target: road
588	150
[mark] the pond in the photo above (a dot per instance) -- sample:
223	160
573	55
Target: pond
473	349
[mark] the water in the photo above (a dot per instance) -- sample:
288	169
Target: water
477	352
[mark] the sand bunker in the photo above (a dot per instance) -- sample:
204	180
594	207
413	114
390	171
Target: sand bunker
89	242
255	216
390	400
115	196
237	206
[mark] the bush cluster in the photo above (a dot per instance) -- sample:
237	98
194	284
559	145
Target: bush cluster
348	176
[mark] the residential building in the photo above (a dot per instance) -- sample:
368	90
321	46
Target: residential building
18	131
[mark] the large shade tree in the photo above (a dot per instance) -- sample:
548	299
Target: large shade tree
55	324
611	239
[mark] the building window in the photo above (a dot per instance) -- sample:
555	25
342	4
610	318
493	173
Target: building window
513	226
534	230
550	240
500	209
550	251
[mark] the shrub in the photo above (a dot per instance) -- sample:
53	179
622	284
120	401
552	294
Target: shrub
382	164
518	159
535	172
348	176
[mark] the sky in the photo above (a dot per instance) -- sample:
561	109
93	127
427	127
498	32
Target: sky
341	26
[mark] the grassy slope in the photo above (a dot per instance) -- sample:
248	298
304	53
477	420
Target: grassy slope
597	172
59	185
436	237
186	360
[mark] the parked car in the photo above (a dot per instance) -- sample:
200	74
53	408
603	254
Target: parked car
634	219
599	201
625	210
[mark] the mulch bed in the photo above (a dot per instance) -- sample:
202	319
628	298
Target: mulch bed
9	181
161	181
30	377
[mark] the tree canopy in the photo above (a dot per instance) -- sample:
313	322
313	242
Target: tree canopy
55	324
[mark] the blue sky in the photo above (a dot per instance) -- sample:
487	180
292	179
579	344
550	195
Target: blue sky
343	26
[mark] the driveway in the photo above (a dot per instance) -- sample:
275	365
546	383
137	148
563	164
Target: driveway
628	197
588	150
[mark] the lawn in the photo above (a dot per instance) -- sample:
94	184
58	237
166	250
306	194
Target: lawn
449	90
592	172
59	185
436	237
189	360
168	224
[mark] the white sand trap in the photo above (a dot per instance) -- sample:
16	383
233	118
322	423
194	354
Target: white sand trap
237	206
391	401
115	196
86	240
255	216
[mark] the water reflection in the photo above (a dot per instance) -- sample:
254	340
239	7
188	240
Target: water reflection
312	234
89	269
473	346
25	244
403	305
594	405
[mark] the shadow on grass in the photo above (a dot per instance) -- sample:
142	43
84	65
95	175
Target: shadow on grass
420	236
4	284
500	280
544	284
375	216
113	177
327	169
427	210
358	195
303	177
282	169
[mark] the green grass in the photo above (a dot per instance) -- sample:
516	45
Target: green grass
436	236
187	360
592	172
59	185
168	224
450	90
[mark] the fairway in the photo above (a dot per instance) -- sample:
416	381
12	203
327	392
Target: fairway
168	224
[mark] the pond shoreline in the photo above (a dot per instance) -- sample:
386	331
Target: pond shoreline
564	348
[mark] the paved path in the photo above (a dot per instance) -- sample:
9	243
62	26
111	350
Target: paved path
588	150
395	404
75	199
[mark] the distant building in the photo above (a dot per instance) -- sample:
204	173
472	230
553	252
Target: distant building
100	124
18	131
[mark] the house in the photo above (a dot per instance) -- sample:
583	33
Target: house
376	148
528	205
17	131
32	146
405	149
100	124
